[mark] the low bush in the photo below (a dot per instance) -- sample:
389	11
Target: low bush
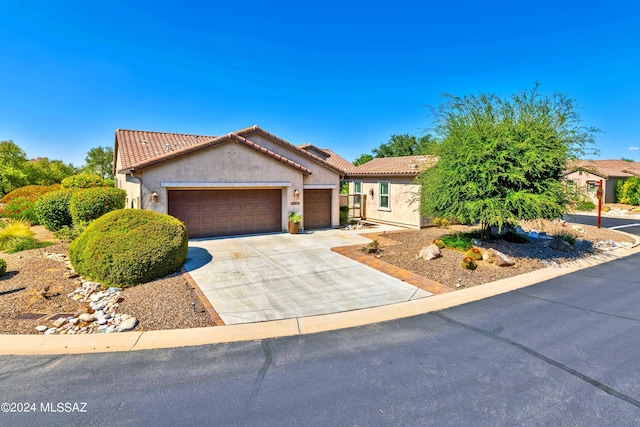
29	190
53	209
89	204
513	237
439	243
21	208
460	241
28	244
3	267
585	205
344	215
83	180
566	236
441	222
13	232
127	247
69	233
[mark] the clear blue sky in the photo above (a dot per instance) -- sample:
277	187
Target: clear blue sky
339	74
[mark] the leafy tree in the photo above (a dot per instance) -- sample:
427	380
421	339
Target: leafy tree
13	162
401	145
99	161
502	160
364	158
628	191
43	171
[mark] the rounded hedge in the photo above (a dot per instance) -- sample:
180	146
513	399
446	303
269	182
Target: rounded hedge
52	209
3	267
91	203
83	180
127	247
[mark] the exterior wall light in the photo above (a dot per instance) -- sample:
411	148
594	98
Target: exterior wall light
154	197
296	194
371	192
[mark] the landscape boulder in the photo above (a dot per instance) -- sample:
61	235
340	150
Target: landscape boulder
430	252
499	259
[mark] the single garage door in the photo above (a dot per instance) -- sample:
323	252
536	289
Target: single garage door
210	213
317	209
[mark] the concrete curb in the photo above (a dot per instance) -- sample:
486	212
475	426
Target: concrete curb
131	341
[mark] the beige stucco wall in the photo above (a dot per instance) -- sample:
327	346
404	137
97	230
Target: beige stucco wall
128	183
234	165
580	178
404	210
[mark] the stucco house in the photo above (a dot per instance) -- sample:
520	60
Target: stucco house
243	182
385	190
585	176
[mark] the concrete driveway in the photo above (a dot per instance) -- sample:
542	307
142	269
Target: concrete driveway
280	276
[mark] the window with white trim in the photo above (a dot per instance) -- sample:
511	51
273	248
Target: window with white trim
383	195
357	191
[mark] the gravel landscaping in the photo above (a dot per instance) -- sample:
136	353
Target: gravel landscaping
528	257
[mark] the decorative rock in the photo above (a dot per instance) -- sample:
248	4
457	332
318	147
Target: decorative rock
127	324
87	317
561	245
430	252
499	259
50	331
41	328
59	322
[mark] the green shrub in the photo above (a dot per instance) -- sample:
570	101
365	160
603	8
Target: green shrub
13	232
460	241
441	222
628	191
53	209
28	244
130	246
439	243
83	180
474	254
566	236
68	234
21	208
3	267
29	190
513	237
468	263
344	215
585	205
89	204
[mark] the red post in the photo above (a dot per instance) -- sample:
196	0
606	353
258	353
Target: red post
599	202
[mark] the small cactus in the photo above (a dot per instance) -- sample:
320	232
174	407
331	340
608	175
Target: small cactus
3	267
439	243
468	263
474	254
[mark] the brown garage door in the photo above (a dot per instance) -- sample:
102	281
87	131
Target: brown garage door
210	213
317	209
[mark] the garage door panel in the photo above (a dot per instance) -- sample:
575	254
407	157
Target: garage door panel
317	209
208	213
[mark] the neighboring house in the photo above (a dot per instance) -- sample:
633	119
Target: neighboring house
243	182
385	189
585	176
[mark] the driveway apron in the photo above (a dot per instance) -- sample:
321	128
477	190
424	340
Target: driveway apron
279	276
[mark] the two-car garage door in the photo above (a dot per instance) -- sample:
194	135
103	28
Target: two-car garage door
210	213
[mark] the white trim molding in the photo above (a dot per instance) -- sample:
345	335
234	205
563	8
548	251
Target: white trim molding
174	184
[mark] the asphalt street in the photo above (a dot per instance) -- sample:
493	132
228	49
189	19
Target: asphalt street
564	352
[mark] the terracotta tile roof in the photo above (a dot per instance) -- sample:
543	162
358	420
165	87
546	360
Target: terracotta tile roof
139	149
128	144
607	168
316	158
329	156
392	166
